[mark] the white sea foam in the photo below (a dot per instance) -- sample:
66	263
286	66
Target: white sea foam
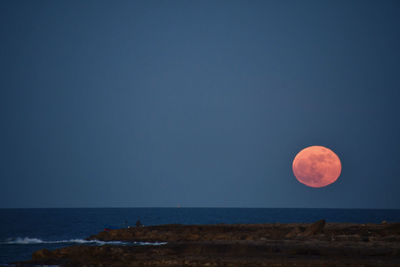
29	240
23	241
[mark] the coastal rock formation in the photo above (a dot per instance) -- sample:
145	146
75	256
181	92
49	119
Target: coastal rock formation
317	244
314	228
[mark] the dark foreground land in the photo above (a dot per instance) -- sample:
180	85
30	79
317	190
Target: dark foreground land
297	244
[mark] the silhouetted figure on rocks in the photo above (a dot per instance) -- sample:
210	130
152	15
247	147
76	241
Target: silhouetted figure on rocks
138	223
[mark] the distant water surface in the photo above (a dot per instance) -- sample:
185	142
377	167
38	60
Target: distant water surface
23	231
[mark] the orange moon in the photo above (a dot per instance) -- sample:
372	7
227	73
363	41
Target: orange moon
316	166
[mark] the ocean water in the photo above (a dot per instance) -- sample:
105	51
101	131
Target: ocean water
23	231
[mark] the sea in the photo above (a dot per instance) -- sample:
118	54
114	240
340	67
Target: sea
23	231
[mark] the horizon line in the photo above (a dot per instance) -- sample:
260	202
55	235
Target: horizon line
197	207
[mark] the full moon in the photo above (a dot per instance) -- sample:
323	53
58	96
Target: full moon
316	166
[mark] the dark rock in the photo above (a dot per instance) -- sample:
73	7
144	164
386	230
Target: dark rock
317	244
314	228
42	254
295	232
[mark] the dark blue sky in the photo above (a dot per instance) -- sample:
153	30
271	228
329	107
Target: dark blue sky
197	103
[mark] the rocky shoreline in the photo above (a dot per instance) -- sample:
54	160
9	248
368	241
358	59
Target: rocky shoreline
295	244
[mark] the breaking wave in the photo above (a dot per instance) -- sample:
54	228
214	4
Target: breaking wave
29	241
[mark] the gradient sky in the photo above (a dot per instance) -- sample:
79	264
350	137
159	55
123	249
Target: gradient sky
197	103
